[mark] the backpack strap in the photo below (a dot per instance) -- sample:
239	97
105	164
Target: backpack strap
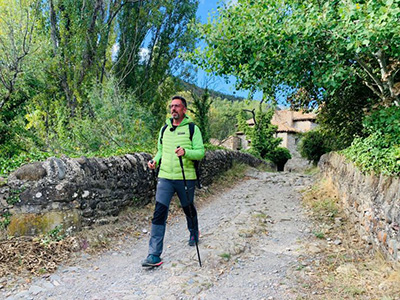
191	130
162	132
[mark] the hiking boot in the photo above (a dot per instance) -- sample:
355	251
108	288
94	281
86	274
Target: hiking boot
193	239
151	261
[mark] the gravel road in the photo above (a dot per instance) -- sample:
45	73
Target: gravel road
251	238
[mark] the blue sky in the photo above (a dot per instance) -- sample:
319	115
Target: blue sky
207	8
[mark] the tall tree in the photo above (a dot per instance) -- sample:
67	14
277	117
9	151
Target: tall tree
80	32
201	109
152	35
17	73
318	46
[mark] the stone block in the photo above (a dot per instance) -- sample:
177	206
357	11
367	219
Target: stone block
34	224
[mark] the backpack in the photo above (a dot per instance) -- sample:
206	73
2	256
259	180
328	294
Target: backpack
196	162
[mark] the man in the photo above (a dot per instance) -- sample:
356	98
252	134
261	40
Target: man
174	141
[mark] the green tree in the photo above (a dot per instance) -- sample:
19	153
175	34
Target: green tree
79	55
201	104
18	72
223	117
80	33
320	47
262	134
341	117
314	144
151	36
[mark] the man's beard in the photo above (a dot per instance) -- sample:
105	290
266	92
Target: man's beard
175	115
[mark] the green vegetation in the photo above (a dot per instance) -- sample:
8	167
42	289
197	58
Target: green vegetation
314	48
5	220
225	256
342	57
201	107
314	144
87	78
380	151
55	235
94	78
264	144
319	235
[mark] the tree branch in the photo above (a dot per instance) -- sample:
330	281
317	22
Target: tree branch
254	115
371	74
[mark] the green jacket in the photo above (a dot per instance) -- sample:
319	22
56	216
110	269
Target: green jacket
194	150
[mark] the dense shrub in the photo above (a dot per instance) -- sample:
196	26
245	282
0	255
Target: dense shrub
314	144
279	156
380	151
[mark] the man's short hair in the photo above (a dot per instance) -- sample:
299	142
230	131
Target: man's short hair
180	98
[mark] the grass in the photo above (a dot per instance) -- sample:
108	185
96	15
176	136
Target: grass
349	270
323	201
231	176
225	256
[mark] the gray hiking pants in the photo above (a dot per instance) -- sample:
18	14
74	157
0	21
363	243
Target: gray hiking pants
165	191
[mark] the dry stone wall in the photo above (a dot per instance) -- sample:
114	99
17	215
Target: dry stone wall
81	192
372	202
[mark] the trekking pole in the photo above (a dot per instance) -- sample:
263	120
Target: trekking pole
190	208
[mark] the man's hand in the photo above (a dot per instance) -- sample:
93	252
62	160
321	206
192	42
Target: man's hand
180	151
152	164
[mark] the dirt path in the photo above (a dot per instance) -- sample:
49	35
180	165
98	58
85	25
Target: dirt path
250	243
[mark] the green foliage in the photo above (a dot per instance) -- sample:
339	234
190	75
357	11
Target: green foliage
314	144
319	47
379	152
262	135
5	220
152	35
64	98
279	155
342	114
55	235
319	235
201	105
264	144
117	124
223	118
385	121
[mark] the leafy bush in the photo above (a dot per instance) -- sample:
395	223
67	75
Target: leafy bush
279	156
380	151
262	135
313	145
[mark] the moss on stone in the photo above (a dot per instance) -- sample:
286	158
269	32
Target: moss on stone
34	224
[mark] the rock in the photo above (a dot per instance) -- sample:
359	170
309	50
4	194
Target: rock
35	290
31	172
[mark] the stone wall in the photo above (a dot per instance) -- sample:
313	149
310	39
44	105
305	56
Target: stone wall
372	202
87	191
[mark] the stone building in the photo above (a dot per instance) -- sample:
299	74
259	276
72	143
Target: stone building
290	125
